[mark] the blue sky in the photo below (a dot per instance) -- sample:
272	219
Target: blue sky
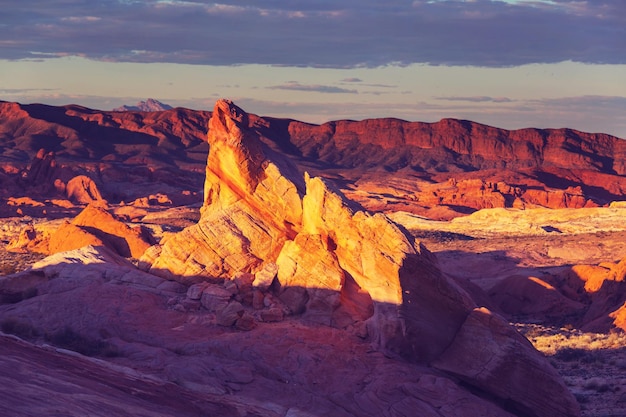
512	64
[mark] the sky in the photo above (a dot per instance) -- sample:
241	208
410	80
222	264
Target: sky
506	63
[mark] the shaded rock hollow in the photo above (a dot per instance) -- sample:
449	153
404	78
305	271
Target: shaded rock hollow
331	256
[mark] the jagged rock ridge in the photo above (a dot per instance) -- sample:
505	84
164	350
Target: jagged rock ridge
340	266
455	145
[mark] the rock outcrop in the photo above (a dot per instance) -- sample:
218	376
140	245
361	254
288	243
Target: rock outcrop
83	190
591	297
480	194
42	170
96	226
44	177
341	266
602	289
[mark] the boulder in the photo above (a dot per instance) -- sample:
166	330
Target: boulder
96	226
264	277
194	292
215	298
523	295
230	314
272	315
490	355
83	190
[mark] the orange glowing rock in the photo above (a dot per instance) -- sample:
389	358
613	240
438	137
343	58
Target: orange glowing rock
342	266
96	226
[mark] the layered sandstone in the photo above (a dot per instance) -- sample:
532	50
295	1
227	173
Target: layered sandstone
341	266
455	145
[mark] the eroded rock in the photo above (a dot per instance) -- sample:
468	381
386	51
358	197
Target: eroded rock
96	226
336	265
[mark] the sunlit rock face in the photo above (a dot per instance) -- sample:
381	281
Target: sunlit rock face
93	226
341	266
259	209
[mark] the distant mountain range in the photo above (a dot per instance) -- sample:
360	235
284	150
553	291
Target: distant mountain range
457	164
148	105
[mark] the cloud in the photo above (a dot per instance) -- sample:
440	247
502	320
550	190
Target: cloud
351	80
596	102
80	19
477	99
19	91
347	34
294	85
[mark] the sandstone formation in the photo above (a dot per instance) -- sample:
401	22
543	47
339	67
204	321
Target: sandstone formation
83	190
96	226
603	289
42	170
558	266
92	226
129	155
44	178
591	297
480	194
27	241
341	266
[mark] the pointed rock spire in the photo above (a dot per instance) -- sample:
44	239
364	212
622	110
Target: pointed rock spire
341	266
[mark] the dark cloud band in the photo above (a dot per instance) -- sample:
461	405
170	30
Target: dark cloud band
348	34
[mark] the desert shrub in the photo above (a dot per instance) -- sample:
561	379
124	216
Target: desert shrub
69	339
441	236
581	398
593	356
569	354
19	328
7	269
597	384
621	364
